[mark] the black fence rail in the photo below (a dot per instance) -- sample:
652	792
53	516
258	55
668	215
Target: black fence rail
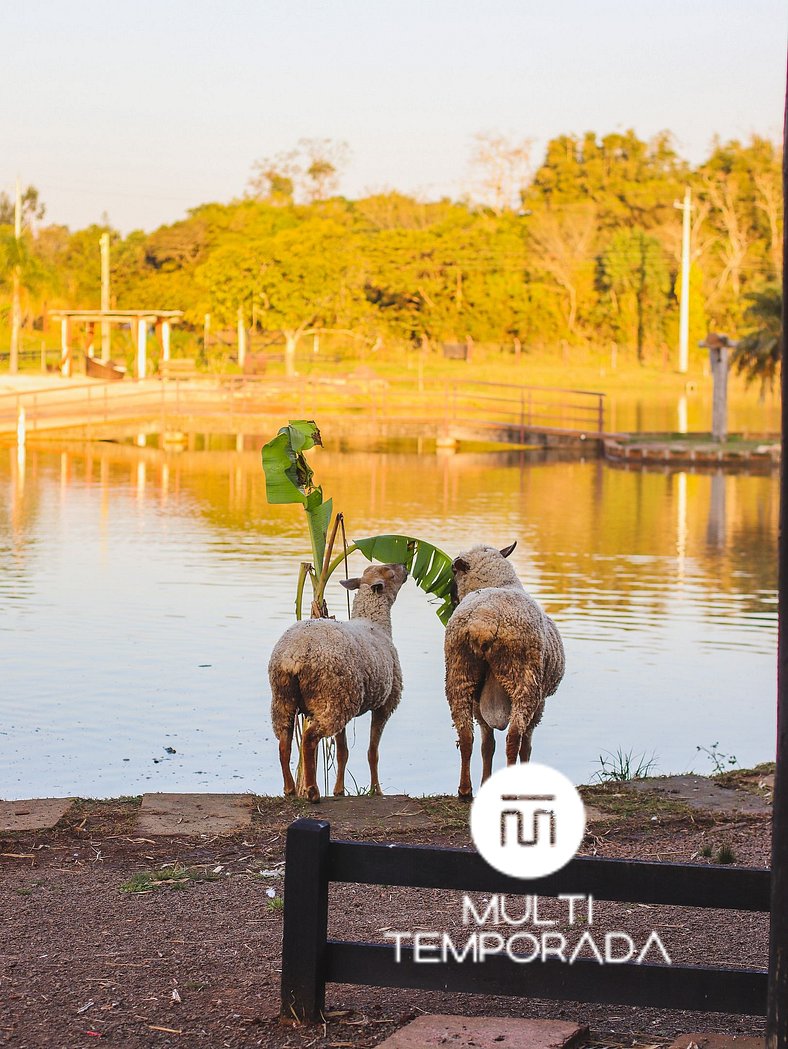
310	959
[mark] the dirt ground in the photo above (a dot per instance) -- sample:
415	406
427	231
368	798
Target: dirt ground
176	941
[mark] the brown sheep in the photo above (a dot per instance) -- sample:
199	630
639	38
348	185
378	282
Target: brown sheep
334	671
503	657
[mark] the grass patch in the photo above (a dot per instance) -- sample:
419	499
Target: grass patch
448	811
745	779
622	766
616	800
174	875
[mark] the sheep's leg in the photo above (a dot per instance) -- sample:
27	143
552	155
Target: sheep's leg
488	749
464	677
379	718
525	745
342	752
465	743
285	748
312	737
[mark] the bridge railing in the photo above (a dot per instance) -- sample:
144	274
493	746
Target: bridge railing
527	409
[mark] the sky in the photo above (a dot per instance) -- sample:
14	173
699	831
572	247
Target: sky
139	111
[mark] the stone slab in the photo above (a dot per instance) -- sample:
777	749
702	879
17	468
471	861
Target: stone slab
381	813
717	1041
170	815
700	792
485	1032
38	814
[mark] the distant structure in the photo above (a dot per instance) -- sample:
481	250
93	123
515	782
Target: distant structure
138	321
719	346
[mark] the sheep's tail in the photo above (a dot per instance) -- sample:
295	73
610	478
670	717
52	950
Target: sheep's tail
286	699
482	631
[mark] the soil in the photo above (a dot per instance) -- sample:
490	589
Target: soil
191	957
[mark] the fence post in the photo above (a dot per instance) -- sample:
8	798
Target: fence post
601	414
305	920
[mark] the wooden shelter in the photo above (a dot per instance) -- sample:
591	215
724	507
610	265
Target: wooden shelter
138	321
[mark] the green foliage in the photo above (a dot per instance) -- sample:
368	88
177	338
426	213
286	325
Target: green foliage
759	352
288	479
429	566
623	766
720	762
592	255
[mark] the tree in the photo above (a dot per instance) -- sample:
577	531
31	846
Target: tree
633	275
300	278
504	167
32	208
561	240
759	352
311	171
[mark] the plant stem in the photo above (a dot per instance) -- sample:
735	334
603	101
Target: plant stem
305	570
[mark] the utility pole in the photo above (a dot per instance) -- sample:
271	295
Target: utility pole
686	208
16	308
105	329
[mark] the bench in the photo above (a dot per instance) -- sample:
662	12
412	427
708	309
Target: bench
178	368
310	959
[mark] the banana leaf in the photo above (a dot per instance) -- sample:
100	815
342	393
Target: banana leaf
288	476
429	566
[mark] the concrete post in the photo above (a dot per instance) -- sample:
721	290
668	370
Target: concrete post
65	348
719	374
142	346
165	340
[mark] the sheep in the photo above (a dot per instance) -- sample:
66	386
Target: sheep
503	657
332	672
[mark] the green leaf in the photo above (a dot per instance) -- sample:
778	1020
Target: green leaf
429	566
288	476
318	516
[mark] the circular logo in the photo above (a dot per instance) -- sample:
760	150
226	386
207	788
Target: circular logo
528	820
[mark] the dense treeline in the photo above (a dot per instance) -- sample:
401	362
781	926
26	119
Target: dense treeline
591	255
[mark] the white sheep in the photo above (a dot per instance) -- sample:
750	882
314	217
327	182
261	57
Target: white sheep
503	657
334	671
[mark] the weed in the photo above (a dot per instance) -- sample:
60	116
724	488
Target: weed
621	766
173	874
720	762
725	854
276	903
706	850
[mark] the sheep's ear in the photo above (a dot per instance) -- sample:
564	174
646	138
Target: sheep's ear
458	565
350	584
377	586
508	549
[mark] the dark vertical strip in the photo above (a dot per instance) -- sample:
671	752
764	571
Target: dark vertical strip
305	920
777	1010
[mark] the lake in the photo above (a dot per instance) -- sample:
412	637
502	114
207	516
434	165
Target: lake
141	592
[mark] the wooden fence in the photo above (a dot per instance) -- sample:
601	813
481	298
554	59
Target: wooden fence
310	959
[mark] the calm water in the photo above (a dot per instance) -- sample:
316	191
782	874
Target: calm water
141	593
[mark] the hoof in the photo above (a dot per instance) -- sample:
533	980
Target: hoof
465	797
339	793
289	791
313	795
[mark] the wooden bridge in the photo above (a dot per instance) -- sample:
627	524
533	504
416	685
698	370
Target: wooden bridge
461	411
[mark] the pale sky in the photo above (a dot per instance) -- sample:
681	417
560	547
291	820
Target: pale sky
144	108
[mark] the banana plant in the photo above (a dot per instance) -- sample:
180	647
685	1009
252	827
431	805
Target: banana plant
290	479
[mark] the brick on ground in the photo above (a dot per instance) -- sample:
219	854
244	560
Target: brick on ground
485	1032
36	814
170	815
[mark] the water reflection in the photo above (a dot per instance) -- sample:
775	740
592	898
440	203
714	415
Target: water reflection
144	587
